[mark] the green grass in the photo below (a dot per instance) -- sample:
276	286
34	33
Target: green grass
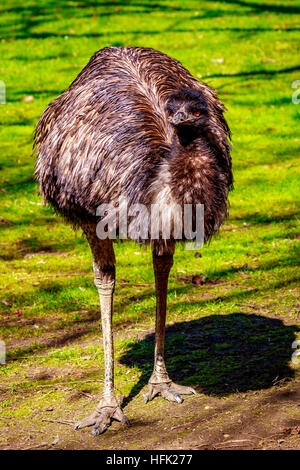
235	331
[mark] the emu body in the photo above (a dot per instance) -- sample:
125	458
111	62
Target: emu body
135	125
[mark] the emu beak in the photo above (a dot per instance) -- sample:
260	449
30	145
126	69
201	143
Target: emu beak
178	118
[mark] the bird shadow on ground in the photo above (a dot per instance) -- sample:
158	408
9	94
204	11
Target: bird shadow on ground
220	355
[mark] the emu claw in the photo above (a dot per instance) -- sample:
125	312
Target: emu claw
170	391
102	417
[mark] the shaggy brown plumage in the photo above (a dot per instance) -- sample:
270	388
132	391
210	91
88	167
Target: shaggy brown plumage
108	136
134	124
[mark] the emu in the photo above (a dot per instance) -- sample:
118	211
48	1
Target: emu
134	125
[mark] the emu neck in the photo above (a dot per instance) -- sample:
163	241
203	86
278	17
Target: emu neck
189	145
186	135
189	165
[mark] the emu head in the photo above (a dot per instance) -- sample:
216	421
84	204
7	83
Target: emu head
187	108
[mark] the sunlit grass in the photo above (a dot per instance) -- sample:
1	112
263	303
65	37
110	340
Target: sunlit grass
48	303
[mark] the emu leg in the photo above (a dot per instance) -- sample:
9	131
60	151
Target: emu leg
160	383
104	268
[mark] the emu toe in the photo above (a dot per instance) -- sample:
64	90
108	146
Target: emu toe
102	417
170	391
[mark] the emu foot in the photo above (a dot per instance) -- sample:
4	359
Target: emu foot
107	410
168	390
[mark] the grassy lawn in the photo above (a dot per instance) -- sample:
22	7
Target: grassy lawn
230	337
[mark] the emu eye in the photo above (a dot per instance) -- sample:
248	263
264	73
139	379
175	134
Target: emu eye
197	113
